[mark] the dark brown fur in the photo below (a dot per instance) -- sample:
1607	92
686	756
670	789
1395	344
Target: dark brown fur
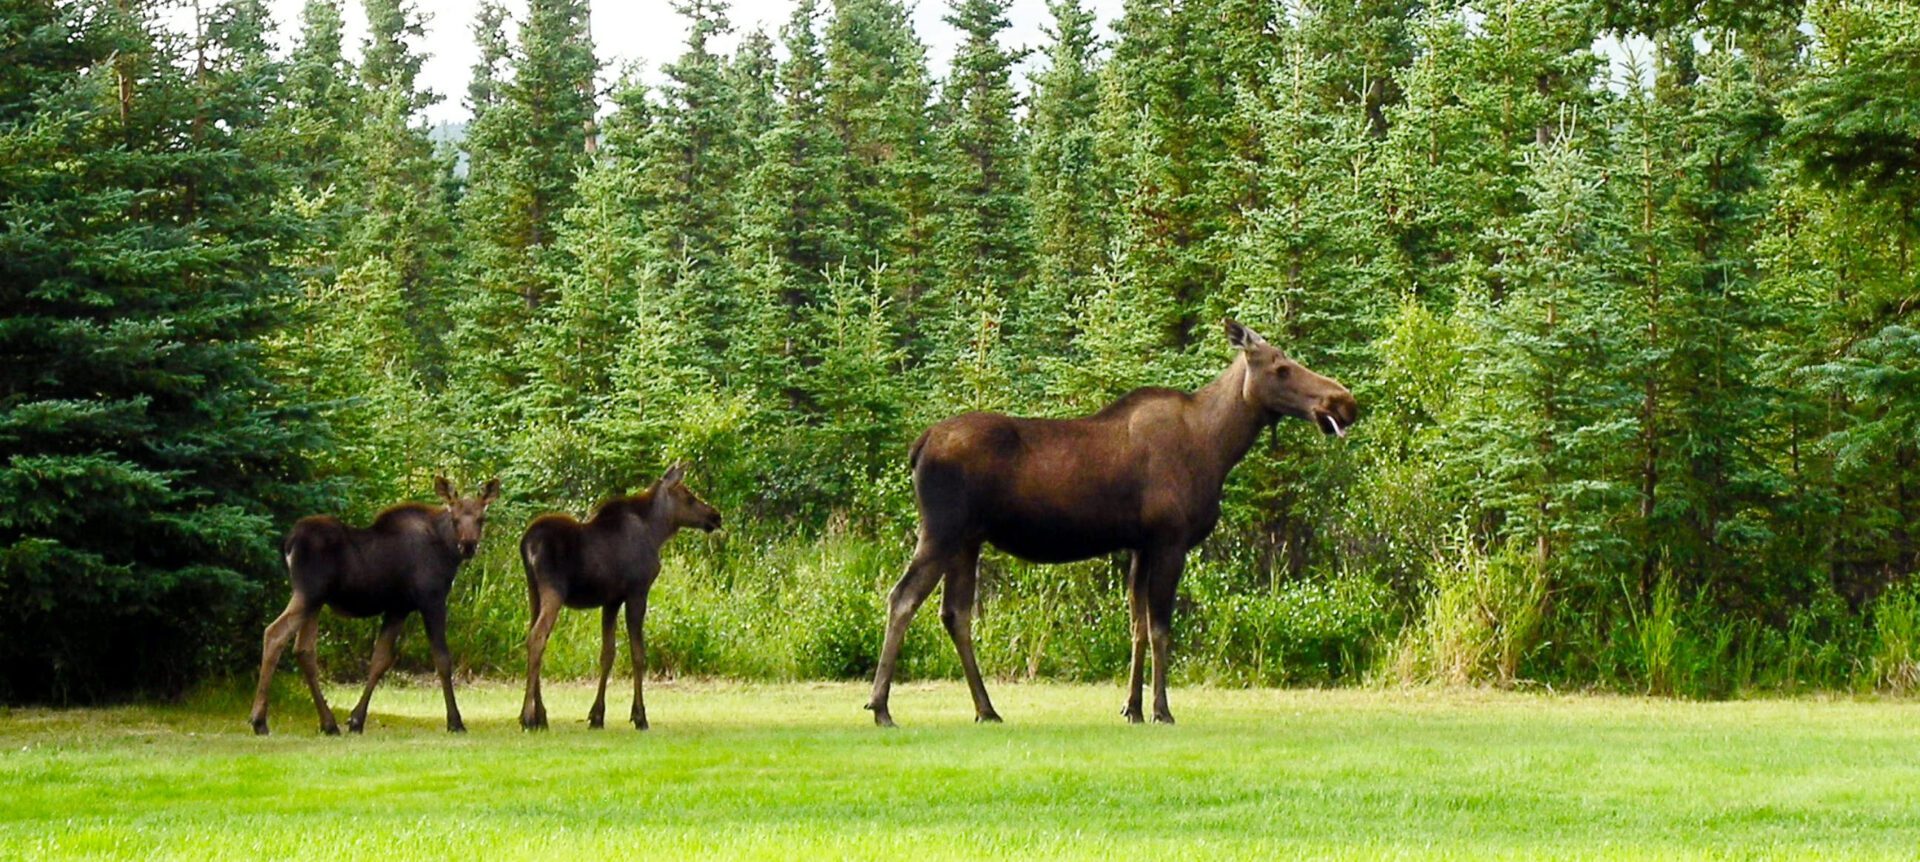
610	560
402	563
1145	475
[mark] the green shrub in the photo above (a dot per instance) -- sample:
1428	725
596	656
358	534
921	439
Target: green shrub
837	600
1304	632
1481	617
1657	633
1896	628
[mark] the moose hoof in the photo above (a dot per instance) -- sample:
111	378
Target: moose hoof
330	729
356	726
530	724
456	726
595	722
640	724
987	718
1163	718
259	727
1134	715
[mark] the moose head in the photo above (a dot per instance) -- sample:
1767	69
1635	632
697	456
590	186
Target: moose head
466	516
675	505
1280	385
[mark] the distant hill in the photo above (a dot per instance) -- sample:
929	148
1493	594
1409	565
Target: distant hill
452	134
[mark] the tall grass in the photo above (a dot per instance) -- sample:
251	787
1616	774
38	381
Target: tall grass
1896	624
1656	632
1481	618
749	606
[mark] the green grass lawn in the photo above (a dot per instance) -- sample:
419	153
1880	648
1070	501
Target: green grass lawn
797	772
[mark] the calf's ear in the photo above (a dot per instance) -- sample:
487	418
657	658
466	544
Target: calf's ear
491	492
445	489
674	474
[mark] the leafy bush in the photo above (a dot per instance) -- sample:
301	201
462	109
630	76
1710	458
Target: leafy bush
1896	626
1481	617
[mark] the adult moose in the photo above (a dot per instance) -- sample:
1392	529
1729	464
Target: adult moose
609	561
1145	475
402	564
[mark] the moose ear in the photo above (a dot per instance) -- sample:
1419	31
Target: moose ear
445	489
1241	337
675	474
491	492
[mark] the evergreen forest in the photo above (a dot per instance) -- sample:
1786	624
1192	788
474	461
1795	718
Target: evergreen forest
1626	290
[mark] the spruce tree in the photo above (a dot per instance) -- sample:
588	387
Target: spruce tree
1850	233
876	100
1545	425
525	146
1306	270
320	100
582	339
1167	103
1069	185
983	242
148	460
983	237
1705	492
693	157
791	211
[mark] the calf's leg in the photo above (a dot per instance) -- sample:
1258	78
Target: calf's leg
435	618
306	650
382	661
637	636
533	711
609	619
278	634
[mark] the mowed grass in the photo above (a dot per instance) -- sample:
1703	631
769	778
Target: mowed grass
796	771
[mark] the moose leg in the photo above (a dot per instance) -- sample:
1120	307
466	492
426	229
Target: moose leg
609	618
382	661
1137	614
1163	582
306	650
533	711
637	637
279	633
914	586
435	619
956	613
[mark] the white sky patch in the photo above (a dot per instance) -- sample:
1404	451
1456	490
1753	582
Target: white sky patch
650	33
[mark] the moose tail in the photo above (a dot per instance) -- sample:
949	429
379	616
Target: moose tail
529	556
913	453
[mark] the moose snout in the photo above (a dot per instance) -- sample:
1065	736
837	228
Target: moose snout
467	548
1337	413
712	522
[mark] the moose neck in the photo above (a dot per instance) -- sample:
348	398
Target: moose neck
1226	423
658	524
660	529
446	536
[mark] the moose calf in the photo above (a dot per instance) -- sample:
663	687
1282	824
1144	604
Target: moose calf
404	562
608	561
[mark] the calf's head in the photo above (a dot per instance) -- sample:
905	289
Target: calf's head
676	506
466	515
1278	384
